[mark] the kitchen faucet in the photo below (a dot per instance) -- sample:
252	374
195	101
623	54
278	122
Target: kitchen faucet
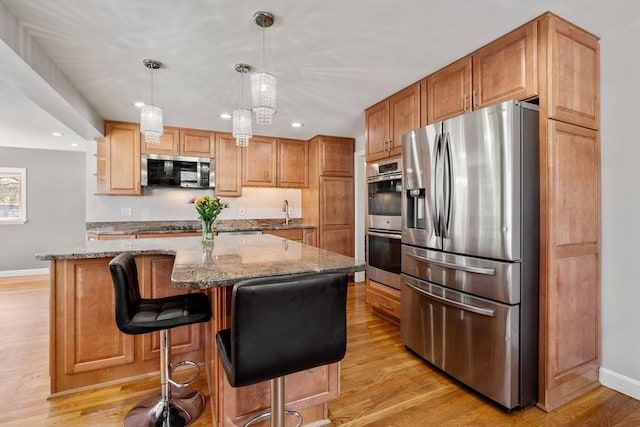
285	209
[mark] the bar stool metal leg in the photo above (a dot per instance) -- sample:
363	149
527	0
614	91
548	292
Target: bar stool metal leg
277	412
167	409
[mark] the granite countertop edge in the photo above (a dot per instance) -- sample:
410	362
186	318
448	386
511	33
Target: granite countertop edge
227	260
185	226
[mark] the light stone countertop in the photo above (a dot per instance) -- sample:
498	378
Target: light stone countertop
171	227
229	259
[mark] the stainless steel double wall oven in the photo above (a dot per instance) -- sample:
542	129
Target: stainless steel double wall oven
383	214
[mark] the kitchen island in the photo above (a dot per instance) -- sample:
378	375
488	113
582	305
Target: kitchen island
87	350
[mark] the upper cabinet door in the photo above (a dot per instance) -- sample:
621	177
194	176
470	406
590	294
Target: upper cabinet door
228	166
122	159
336	156
449	91
377	130
573	73
506	68
260	162
293	163
197	143
169	143
404	116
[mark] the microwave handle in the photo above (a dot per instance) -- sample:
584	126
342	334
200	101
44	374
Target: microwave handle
478	310
489	271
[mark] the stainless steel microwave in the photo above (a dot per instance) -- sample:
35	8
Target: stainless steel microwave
177	171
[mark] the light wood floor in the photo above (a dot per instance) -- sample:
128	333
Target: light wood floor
382	384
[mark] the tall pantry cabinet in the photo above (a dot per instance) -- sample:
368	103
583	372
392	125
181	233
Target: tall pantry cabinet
569	81
328	202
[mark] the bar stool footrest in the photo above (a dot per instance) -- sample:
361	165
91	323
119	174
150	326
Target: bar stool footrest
186	383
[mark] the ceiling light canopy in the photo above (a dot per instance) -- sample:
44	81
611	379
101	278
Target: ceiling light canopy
264	86
151	122
242	120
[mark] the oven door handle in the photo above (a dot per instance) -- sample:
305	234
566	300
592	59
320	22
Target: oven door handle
489	271
385	235
466	307
378	178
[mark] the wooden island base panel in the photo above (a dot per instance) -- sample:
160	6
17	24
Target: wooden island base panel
88	351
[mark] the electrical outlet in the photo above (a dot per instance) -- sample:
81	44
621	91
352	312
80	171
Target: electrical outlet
125	211
290	211
241	211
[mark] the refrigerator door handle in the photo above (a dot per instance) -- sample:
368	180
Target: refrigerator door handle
437	187
466	307
488	271
447	183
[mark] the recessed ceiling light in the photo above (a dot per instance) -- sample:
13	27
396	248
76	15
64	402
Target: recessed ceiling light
74	144
138	104
297	125
225	116
56	133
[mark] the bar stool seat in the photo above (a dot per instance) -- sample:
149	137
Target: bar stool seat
281	325
136	315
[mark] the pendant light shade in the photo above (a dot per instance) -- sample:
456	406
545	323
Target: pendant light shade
242	127
242	118
264	86
151	125
151	121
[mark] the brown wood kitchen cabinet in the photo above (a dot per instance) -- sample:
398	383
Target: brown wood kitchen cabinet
228	166
570	222
388	120
260	159
502	70
328	202
384	300
293	163
183	142
275	162
118	160
87	348
301	235
169	144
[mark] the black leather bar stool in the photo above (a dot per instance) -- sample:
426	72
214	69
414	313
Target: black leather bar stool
136	315
281	325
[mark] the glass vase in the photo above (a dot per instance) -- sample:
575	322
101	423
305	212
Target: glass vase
207	231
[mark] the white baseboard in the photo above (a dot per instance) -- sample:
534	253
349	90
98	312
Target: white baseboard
620	383
30	272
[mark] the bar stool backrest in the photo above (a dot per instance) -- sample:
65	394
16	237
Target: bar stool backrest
286	324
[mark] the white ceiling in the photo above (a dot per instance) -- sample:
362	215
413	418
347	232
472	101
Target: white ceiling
333	58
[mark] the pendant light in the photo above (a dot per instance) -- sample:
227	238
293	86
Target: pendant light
151	125
242	122
263	85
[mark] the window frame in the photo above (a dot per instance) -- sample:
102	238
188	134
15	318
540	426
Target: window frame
22	174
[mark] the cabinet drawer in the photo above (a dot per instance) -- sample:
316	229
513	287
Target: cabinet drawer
386	301
295	234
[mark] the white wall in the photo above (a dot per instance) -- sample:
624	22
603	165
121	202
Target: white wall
172	204
620	144
55	208
360	200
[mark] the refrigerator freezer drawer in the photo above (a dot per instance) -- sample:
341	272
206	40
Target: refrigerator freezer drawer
496	280
472	339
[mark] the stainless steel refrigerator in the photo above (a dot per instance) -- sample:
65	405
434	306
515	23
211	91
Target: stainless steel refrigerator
469	292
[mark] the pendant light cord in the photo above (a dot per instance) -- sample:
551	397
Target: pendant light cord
263	36
242	90
151	70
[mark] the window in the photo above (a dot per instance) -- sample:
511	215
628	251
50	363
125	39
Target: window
13	195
